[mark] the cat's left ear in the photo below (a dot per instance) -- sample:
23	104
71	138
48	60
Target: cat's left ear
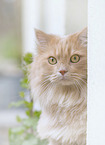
82	37
42	38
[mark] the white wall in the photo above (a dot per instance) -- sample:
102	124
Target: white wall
96	73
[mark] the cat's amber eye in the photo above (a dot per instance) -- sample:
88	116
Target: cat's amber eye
75	58
52	60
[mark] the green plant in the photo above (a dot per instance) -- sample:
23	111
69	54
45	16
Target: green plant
25	133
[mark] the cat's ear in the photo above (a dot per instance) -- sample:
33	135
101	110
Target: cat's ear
42	38
82	37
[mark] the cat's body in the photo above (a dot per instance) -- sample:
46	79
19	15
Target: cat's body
58	80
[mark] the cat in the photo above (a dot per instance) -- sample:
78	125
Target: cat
58	79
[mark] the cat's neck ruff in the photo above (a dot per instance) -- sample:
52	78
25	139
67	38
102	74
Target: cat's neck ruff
62	96
63	109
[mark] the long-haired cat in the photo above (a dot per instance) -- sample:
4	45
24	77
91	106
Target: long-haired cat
58	79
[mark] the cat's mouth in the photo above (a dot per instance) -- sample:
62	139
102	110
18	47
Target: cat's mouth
65	81
64	78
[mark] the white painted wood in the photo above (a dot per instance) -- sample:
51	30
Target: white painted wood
76	15
54	14
30	20
96	73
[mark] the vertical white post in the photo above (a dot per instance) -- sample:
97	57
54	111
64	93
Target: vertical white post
30	20
54	12
76	15
96	73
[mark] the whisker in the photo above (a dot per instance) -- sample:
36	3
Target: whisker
53	78
75	78
77	74
79	84
45	88
44	83
76	86
79	79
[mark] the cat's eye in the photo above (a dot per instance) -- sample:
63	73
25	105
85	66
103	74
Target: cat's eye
75	58
52	60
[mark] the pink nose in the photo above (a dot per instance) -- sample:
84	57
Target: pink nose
63	72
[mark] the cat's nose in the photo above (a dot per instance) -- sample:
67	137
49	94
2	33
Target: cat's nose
63	72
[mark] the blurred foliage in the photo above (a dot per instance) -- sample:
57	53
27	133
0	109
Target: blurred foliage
10	48
25	133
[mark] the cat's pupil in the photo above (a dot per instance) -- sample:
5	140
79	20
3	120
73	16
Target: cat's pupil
52	59
75	58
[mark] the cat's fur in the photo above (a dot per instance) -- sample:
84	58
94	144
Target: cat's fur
63	101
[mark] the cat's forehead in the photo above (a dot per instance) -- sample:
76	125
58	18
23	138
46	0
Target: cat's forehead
65	47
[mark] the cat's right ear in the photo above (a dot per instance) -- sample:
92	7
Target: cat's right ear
82	37
42	38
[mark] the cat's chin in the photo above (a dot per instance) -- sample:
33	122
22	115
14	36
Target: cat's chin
65	82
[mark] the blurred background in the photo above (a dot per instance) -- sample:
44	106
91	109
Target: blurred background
18	18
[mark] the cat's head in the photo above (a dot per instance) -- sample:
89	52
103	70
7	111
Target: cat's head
61	60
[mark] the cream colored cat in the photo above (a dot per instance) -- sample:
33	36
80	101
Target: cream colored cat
58	79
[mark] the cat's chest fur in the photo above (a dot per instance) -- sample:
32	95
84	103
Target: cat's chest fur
63	115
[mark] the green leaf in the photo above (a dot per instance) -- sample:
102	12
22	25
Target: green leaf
17	104
30	122
16	137
18	130
28	113
21	94
18	119
28	58
24	83
28	105
34	140
37	114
